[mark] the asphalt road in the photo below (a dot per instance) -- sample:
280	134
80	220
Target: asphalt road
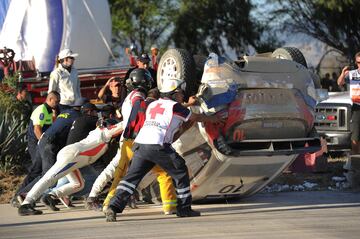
302	215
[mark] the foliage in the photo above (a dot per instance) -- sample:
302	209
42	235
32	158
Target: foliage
334	22
198	26
14	119
210	25
141	22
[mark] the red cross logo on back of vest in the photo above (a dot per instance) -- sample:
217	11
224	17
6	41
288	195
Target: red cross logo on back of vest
156	110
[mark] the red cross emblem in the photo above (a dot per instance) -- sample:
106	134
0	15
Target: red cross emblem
156	110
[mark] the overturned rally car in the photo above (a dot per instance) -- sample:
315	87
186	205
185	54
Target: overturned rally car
268	101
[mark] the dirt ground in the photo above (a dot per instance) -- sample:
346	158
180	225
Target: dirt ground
287	181
327	177
8	185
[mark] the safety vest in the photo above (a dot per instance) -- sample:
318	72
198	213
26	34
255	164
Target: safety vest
161	123
354	78
40	116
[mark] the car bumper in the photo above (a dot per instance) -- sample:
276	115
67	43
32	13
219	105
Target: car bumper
337	141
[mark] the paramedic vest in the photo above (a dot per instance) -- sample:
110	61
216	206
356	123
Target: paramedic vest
354	78
161	123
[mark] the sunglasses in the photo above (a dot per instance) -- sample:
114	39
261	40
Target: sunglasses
70	57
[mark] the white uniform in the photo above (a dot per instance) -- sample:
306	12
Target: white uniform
73	157
108	173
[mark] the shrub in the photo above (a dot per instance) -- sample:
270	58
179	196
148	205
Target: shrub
14	119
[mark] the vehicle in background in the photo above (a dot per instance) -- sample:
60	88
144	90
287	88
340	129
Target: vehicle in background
332	121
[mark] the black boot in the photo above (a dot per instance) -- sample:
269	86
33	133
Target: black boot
110	215
188	213
27	209
50	202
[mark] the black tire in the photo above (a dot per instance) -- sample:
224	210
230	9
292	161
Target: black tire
290	53
178	63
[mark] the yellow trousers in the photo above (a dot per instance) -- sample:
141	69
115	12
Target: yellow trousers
167	190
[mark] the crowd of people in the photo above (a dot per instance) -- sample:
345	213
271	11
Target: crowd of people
68	135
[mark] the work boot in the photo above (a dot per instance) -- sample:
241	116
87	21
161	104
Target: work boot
132	202
110	215
27	209
188	213
50	202
93	203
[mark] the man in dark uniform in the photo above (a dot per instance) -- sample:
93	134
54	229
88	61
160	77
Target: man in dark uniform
41	119
164	117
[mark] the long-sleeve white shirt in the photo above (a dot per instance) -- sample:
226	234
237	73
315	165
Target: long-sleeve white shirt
67	84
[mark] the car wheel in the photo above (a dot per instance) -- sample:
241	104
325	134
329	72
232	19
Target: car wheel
290	53
178	64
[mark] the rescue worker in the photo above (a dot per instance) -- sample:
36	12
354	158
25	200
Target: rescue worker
352	77
41	119
153	147
93	203
69	160
64	79
51	141
133	111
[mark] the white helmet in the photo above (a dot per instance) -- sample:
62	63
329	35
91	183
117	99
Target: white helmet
169	86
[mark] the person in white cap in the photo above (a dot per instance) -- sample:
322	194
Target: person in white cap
64	79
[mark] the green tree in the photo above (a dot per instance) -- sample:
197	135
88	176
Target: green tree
210	25
334	22
141	22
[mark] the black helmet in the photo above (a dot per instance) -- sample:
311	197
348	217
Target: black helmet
140	78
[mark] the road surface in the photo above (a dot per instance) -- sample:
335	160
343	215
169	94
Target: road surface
304	215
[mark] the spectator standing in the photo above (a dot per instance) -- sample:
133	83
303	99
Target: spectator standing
142	62
113	92
326	82
352	77
154	57
64	79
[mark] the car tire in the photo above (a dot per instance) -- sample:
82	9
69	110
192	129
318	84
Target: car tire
290	53
178	63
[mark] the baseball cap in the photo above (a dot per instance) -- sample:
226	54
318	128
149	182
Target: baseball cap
66	53
144	58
